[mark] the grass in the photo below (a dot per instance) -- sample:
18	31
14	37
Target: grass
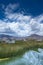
18	48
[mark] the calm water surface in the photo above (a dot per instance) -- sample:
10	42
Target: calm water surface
29	58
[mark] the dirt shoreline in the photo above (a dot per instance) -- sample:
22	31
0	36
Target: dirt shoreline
4	59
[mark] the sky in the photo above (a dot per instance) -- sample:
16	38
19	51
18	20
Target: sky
21	17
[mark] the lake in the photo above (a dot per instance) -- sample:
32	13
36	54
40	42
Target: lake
29	58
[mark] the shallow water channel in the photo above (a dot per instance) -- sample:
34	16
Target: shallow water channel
29	58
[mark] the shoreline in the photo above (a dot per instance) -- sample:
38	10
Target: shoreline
3	59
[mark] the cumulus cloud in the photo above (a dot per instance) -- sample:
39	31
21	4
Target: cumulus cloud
20	28
19	24
11	8
35	25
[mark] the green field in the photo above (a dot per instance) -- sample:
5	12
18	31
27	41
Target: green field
18	48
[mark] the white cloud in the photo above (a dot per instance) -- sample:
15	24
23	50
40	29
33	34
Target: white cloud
19	24
11	8
2	26
39	18
22	25
21	29
35	25
41	30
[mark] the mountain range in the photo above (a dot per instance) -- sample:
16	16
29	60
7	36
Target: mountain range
11	39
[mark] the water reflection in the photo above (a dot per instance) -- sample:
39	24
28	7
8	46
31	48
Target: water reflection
29	58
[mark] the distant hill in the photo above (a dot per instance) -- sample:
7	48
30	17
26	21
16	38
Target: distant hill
11	39
36	37
7	38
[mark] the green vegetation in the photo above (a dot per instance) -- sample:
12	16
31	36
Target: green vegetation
18	48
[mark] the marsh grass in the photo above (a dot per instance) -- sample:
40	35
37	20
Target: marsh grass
18	48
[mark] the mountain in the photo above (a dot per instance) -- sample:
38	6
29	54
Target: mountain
7	38
36	37
11	39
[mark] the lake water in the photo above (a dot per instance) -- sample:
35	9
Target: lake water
29	58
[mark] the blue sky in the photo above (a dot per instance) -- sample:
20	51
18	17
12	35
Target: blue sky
21	17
